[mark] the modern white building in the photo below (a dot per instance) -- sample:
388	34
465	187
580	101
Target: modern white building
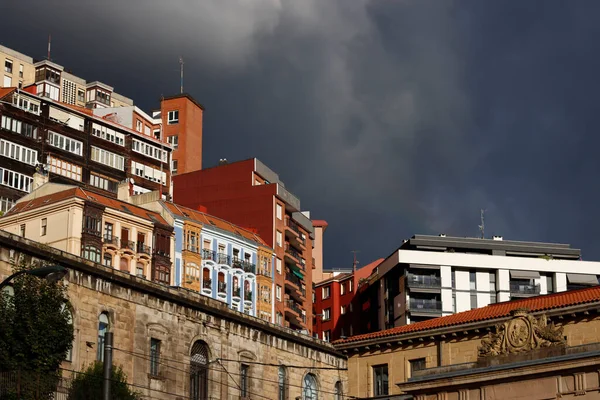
432	276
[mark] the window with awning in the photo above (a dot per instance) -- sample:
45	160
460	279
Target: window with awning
582	279
516	274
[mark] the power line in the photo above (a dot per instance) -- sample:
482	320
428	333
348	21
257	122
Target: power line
147	358
287	366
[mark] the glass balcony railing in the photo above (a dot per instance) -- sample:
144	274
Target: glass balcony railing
423	281
524	288
425	305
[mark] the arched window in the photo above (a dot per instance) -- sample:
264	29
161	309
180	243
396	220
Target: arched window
309	387
282	383
338	391
102	329
199	371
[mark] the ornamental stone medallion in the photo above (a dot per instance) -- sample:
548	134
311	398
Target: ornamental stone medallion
522	333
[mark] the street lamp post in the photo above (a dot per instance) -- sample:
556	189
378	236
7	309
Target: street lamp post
51	273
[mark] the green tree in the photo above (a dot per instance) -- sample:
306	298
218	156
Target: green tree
88	384
36	332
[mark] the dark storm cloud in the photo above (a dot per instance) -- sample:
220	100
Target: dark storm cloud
386	118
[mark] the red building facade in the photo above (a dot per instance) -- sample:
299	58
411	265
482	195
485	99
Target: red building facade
337	304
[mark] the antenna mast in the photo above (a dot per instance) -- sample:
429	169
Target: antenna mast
49	44
482	226
181	72
355	262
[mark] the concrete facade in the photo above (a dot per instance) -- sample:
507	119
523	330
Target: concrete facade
139	311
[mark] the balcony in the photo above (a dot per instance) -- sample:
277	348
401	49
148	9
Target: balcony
207	286
524	289
294	284
292	254
248	296
127	245
111	241
237	293
294	234
222	287
247	266
143	249
423	281
425	306
219	258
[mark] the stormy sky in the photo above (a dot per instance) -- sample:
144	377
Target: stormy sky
386	117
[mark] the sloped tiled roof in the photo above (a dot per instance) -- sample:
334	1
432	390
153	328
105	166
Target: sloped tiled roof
207	219
89	196
493	311
5	91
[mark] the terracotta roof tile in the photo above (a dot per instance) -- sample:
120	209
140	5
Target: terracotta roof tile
211	220
6	91
493	311
89	196
78	108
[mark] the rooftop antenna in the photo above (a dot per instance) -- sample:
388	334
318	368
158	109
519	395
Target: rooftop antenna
482	226
355	262
181	72
49	44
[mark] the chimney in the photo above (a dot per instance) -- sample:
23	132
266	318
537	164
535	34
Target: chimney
39	179
125	190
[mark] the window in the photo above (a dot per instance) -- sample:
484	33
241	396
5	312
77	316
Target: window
7	81
493	281
326	292
107	260
174	166
453	279
453	302
493	298
278	292
342	288
157	134
473	300
173	140
81	96
417	365
107	158
472	281
279	238
6	204
8	66
549	284
244	376
326	335
148	150
199	371
22	229
279	211
279	318
18	152
109	134
326	314
65	143
26	104
44	226
19	127
103	183
154	356
91	253
102	329
380	380
282	376
309	387
147	172
173	117
343	310
138	125
64	168
278	265
350	282
339	394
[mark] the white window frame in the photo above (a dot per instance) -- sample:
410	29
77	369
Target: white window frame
108	158
18	152
278	292
64	168
173	140
279	211
148	150
173	117
65	143
15	180
108	134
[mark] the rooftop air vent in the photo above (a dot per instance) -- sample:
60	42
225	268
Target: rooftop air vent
223	161
442	235
497	238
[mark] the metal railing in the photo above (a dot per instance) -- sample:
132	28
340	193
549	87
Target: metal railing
248	295
128	244
234	262
292	225
207	284
292	251
292	305
222	287
236	292
425	305
294	279
110	239
142	248
245	265
524	288
424	281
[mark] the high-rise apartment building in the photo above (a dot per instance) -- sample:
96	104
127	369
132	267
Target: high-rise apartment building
17	68
251	195
434	276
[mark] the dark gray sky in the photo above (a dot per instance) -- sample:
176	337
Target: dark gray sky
386	117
